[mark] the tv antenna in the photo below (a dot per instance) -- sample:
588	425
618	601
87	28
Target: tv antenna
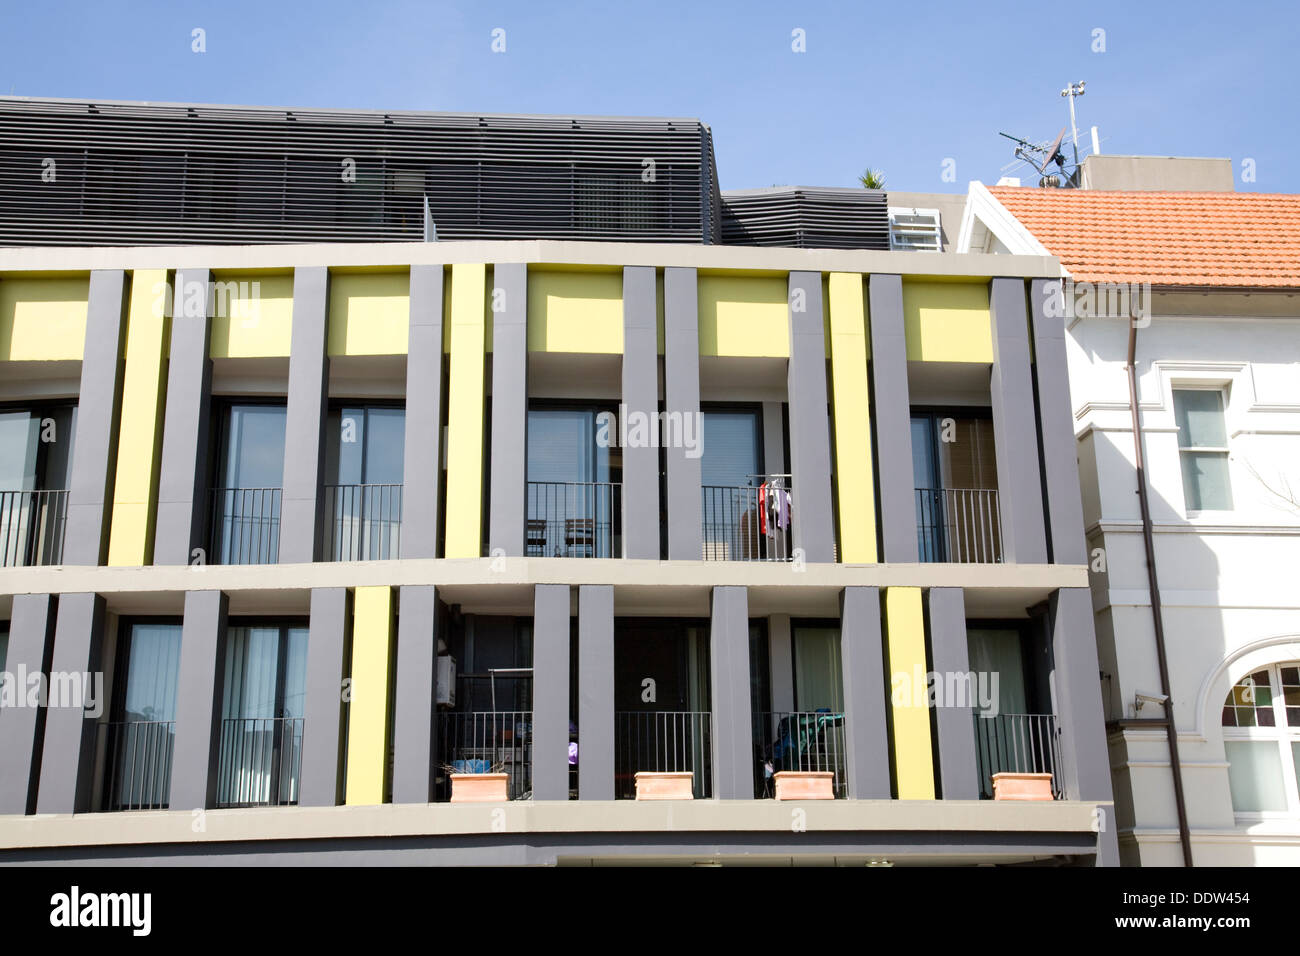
1043	157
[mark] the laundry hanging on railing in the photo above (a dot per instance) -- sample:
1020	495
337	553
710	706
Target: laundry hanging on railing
774	506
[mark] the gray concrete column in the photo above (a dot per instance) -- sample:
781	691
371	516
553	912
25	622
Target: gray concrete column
1066	544
320	778
551	692
68	761
892	410
866	730
1015	430
415	703
1081	725
810	433
641	397
22	729
509	452
94	451
183	471
780	657
304	427
733	719
198	701
422	464
596	691
958	774
682	398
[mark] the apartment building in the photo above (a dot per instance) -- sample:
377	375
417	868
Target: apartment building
1199	686
656	480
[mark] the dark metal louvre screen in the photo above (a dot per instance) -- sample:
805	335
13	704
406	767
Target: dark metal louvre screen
140	174
806	218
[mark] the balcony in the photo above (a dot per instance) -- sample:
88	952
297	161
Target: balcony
362	522
662	742
498	741
574	519
959	525
799	741
137	757
32	525
1017	743
748	523
245	525
260	761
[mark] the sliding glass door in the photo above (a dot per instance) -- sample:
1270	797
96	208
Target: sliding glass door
139	740
246	501
574	503
262	715
364	457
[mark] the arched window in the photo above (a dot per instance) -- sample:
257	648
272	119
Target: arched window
1261	734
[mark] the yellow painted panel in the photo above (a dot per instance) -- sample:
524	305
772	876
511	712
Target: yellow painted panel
910	702
947	322
575	312
464	520
744	316
144	388
43	320
851	402
253	316
368	712
369	314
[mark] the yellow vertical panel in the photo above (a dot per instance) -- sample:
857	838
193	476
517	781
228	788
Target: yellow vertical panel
252	316
144	386
43	320
369	314
464	515
370	705
909	704
947	322
575	312
744	316
851	404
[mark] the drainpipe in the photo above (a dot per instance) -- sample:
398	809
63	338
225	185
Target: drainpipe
1157	615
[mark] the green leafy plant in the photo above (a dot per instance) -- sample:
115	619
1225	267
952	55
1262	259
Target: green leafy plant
872	179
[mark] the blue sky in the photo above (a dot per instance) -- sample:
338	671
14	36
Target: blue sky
901	86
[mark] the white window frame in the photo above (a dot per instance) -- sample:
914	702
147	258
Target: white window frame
1224	392
926	234
1282	736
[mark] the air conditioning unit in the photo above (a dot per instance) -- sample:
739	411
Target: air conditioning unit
446	681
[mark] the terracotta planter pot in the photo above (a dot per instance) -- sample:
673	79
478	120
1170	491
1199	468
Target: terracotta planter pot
1022	786
479	787
805	785
665	786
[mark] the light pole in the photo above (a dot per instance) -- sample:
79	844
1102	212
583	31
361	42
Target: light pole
1073	90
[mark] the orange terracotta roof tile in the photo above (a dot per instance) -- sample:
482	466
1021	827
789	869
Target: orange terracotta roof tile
1165	238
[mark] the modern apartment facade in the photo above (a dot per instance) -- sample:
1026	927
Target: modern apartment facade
1214	278
335	521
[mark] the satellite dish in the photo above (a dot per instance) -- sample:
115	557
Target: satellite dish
1054	152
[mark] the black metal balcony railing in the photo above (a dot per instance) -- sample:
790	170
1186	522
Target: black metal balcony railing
1017	743
245	525
740	524
137	758
661	742
362	522
574	519
960	525
259	761
806	741
488	741
32	525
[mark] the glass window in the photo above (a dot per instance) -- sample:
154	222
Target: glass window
262	715
730	444
140	740
562	446
253	456
574	503
1261	730
4	646
999	652
1203	449
818	682
366	446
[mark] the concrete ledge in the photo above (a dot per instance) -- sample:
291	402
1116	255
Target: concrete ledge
615	818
